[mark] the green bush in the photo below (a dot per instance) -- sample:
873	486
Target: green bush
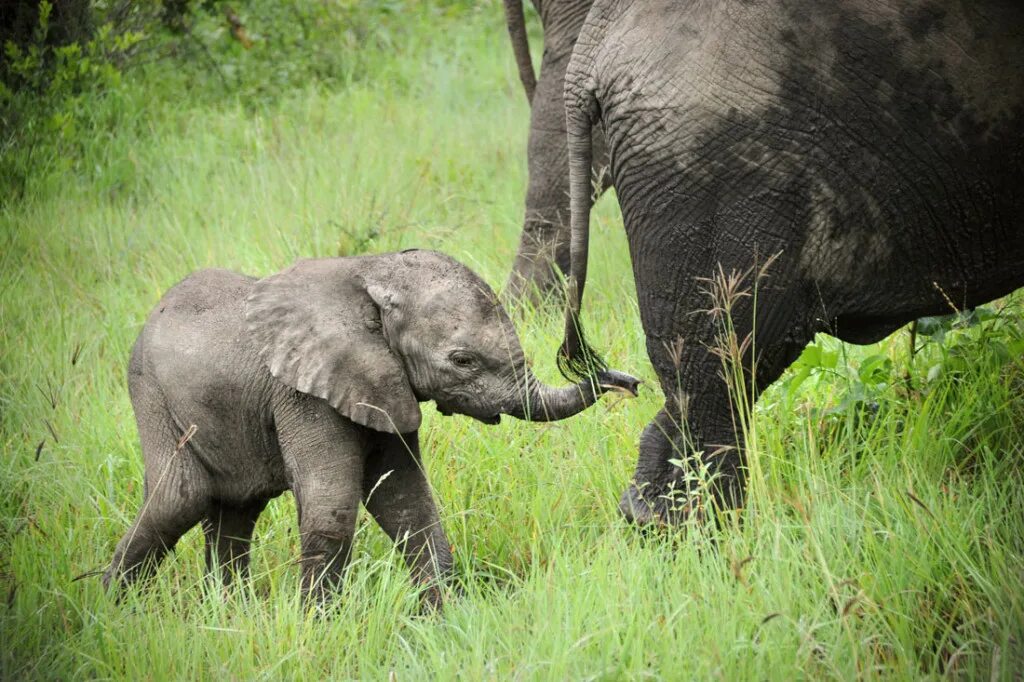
61	88
47	81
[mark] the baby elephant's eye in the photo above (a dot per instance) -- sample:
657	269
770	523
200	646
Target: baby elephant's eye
463	359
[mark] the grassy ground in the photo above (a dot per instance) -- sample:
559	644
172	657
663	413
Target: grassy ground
884	534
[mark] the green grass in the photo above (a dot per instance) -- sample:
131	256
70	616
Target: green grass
884	545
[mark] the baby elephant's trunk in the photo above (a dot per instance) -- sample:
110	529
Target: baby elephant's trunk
543	403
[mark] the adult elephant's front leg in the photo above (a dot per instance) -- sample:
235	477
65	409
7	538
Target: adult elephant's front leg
397	494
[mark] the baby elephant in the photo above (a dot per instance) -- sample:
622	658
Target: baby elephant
310	380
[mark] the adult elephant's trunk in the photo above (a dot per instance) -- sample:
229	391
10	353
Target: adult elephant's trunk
542	403
520	45
576	359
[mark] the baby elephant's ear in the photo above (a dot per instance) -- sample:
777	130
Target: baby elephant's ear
319	331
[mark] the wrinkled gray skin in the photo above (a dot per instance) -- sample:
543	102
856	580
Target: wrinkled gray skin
876	147
543	257
310	380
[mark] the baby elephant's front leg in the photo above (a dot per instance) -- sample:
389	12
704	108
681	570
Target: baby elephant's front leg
324	453
397	494
327	525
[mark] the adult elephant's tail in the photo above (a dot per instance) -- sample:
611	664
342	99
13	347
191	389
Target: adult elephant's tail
576	359
520	45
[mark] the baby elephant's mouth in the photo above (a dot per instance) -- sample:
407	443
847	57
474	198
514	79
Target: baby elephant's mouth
448	411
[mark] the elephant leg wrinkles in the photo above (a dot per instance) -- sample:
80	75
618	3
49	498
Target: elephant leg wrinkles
543	255
175	498
324	454
397	494
698	434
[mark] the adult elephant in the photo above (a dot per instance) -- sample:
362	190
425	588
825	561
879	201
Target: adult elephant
543	257
873	148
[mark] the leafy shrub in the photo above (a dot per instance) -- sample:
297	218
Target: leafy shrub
986	333
46	83
946	350
58	88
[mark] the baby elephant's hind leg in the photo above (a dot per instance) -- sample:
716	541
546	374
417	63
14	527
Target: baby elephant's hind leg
175	494
168	511
228	531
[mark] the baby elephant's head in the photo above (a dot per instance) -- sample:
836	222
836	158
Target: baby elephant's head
376	335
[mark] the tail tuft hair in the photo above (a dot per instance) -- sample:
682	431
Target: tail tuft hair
577	360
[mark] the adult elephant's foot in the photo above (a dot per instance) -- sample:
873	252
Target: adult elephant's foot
642	507
535	279
670	508
676	480
538	286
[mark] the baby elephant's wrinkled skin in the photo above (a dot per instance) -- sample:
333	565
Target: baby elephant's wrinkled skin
310	380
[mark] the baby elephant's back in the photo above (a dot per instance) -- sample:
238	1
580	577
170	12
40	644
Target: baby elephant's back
193	346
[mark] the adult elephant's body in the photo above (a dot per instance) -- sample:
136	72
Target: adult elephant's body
543	255
877	149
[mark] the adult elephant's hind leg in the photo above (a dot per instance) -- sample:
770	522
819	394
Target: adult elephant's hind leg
690	446
694	445
228	530
543	256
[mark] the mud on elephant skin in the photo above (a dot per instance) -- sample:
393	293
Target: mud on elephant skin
874	149
542	259
310	380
